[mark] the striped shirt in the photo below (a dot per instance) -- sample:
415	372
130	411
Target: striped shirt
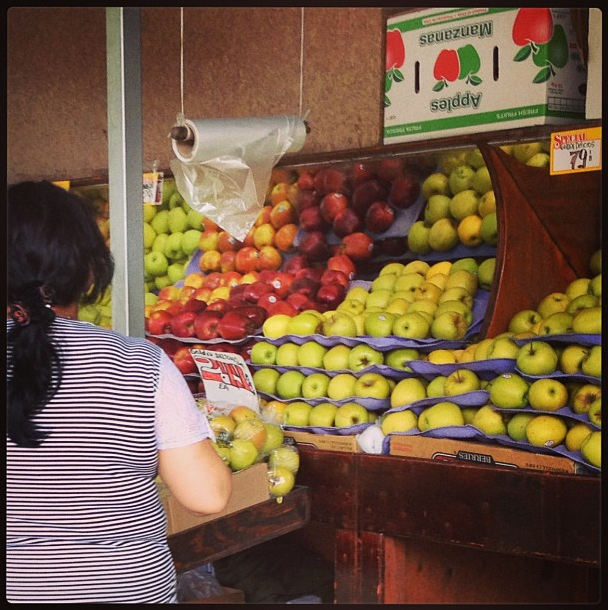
84	520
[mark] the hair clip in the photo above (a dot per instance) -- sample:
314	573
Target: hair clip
20	314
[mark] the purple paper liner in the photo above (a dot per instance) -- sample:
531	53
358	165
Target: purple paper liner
348	431
496	366
371	404
477	398
583	339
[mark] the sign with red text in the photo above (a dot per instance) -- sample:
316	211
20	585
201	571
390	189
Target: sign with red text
576	151
226	378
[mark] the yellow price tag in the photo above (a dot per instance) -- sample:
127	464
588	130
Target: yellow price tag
576	151
64	184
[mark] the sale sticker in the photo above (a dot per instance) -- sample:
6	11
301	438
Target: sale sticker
64	184
226	378
576	151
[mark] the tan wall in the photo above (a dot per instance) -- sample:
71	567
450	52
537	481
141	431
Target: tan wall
237	62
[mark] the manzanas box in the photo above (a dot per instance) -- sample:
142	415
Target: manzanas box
466	70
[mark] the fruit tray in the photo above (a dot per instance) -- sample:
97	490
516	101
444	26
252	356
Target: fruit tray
344	431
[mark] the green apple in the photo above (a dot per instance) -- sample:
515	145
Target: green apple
399	421
591	449
463	278
287	354
175	271
482	183
351	414
537	358
162	281
541	159
351	306
584	396
435	183
150	210
546	431
408	282
280	481
393	267
595	412
455	305
378	298
436	386
526	150
150	298
482	348
385	281
341	386
418	238
509	391
156	264
450	325
289	384
315	385
457	293
303	324
447	161
461	178
243	453
411	325
372	385
474	158
263	353
463	204
524	320
362	356
503	347
177	220
339	324
487	203
336	358
489	420
265	380
468	263
429	291
399	358
358	293
547	394
408	391
323	415
592	362
379	324
416	266
397	307
582	301
439	279
310	354
253	429
440	415
571	358
461	381
222	451
274	437
160	242
160	222
517	424
287	456
575	436
173	246
558	323
195	219
296	413
423	306
149	236
588	321
577	287
437	206
552	303
489	229
403	295
190	239
443	235
595	262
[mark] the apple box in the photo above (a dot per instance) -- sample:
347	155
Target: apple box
328	442
249	487
466	70
481	454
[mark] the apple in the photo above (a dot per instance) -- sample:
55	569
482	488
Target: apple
366	193
263	353
399	358
411	325
435	183
547	394
287	456
310	354
331	295
334	276
273	411
557	323
379	324
299	300
287	354
379	217
265	380
341	386
243	453
461	381
372	385
405	190
336	358
578	287
279	308
489	229
252	429
159	322
524	320
240	413
378	298
463	278
357	293
437	206
357	246
489	421
461	178
183	360
418	238
450	325
591	364
408	391
297	413
552	303
329	179
303	324
315	385
342	262
314	246
464	203
289	384
346	222
182	324
571	358
595	412
516	426
311	219
408	282
588	321
591	449
509	391
155	263
583	301
595	262
584	396
440	415
485	273
362	356
503	347
537	358
350	414
339	324
399	421
256	314
443	235
222	425
575	436
455	305
546	431
595	285
274	438
323	415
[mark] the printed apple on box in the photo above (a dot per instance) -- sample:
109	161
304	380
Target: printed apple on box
467	70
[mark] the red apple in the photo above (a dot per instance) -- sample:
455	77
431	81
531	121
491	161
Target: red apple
234	302
205	325
253	292
202	294
292	264
298	300
182	324
226	348
231	278
194	279
365	194
184	361
358	246
331	205
225	242
306	198
255	313
194	304
314	246
361	172
281	307
159	322
311	273
306	180
208	240
270	258
238	291
379	217
306	286
219	305
267	300
247	259
282	213
281	283
266	275
227	261
212	280
311	219
405	190
329	179
331	295
234	326
390	169
169	346
333	276
342	262
346	222
392	246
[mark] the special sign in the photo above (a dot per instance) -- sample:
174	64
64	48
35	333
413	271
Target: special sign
576	151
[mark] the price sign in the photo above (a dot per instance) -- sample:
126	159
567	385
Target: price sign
226	378
576	151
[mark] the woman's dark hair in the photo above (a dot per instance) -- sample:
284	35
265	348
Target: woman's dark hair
56	255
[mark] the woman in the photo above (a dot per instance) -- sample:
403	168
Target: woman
93	417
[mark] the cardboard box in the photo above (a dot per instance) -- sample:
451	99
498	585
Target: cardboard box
228	596
466	70
329	442
249	487
482	454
